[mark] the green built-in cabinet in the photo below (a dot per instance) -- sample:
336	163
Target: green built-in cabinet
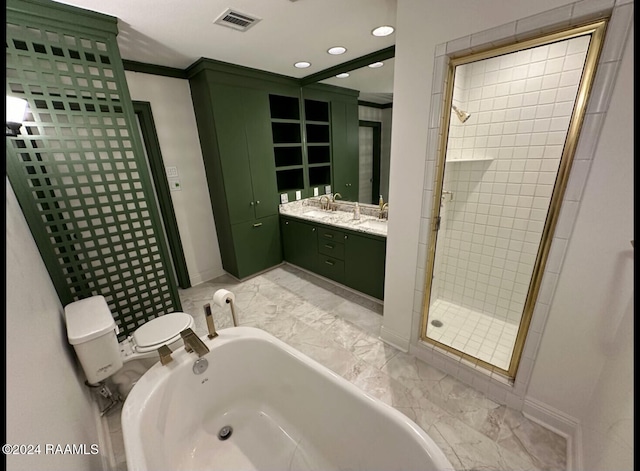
352	258
262	136
288	145
234	126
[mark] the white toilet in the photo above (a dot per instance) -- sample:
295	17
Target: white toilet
92	331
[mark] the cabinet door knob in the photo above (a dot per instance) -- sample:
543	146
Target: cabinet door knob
345	237
287	223
258	202
251	203
313	230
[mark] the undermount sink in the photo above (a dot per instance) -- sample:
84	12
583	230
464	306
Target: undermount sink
317	214
374	224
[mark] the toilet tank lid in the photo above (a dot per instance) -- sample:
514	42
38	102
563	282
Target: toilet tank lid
88	319
161	329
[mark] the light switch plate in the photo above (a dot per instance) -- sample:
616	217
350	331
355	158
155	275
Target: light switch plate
316	191
284	198
172	172
327	189
174	185
298	195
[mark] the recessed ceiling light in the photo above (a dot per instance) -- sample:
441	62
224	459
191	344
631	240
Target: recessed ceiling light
302	64
383	31
342	75
337	50
375	65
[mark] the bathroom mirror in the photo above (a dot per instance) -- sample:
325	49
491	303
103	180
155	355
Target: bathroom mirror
374	81
511	121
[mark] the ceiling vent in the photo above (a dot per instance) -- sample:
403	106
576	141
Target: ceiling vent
236	20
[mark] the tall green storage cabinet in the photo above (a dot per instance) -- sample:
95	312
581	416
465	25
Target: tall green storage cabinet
234	125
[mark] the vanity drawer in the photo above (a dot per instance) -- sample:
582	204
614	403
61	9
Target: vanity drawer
331	248
331	268
325	234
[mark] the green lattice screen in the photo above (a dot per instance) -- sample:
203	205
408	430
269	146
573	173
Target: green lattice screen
79	173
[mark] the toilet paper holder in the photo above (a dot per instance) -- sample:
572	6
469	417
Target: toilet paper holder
233	312
220	298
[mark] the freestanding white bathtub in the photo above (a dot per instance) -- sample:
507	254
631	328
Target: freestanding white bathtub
286	412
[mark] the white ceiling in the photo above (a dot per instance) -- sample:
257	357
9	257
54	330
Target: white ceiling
176	33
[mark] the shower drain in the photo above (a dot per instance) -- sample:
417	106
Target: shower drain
225	432
436	323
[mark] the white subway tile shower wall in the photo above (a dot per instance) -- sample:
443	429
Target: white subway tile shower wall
520	105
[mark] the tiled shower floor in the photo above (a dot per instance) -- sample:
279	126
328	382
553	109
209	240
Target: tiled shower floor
473	332
339	329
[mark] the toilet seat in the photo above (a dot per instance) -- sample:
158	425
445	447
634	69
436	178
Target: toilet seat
159	331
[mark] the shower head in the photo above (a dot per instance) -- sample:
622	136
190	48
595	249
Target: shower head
462	115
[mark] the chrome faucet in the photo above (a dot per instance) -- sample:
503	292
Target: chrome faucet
193	343
384	211
324	205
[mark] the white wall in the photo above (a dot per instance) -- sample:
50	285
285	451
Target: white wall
564	375
585	362
175	122
46	400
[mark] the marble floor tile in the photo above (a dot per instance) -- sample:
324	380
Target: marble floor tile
340	330
373	351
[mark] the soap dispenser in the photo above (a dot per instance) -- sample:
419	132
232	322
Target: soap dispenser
356	211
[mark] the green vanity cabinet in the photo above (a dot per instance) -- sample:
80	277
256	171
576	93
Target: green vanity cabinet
364	263
331	253
352	258
298	242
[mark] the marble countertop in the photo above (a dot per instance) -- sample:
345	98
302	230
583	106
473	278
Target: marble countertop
310	210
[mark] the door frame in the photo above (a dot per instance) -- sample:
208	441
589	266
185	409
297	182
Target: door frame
377	145
142	110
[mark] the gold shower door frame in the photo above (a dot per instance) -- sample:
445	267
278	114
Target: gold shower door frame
596	30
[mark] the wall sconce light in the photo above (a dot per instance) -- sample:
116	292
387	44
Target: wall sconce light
16	109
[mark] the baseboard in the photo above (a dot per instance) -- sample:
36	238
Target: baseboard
560	423
104	438
336	284
206	276
394	339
